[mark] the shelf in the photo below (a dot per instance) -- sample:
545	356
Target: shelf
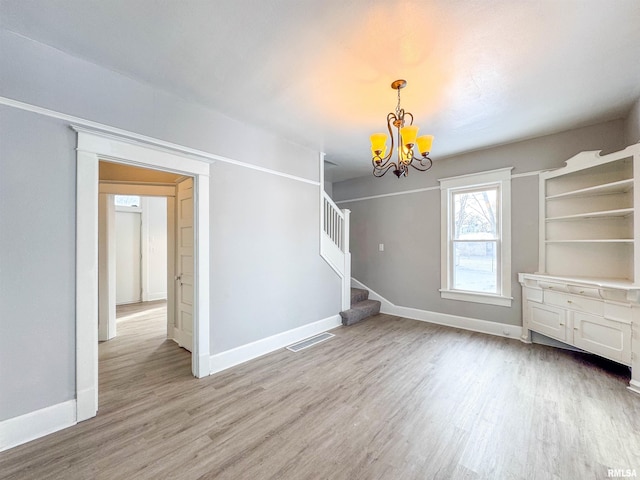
588	215
621	186
622	212
604	240
621	283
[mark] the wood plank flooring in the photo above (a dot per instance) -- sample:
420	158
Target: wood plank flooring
387	398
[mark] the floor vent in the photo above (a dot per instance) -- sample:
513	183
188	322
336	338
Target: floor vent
296	347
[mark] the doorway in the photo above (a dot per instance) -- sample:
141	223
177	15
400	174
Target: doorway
135	230
135	246
93	147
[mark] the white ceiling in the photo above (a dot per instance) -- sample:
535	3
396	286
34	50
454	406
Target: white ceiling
318	72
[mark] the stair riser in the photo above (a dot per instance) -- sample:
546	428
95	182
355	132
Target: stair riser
358	295
357	299
360	311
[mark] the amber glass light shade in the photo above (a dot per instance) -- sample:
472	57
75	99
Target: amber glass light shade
409	134
378	141
424	144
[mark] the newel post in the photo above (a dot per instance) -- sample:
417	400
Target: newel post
346	280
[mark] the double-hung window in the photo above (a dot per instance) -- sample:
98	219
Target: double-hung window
476	237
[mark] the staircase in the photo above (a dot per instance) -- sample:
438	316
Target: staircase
334	242
361	307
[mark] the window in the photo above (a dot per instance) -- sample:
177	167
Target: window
127	200
476	237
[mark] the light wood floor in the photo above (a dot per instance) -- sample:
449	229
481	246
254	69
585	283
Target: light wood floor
388	398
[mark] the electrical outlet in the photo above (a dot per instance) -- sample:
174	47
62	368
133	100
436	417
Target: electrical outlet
381	247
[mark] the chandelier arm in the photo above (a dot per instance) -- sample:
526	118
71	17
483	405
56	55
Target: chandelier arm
379	172
391	118
423	167
383	162
409	114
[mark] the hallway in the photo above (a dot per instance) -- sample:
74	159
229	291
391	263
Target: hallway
140	358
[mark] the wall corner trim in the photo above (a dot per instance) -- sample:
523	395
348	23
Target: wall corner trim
455	321
230	358
30	426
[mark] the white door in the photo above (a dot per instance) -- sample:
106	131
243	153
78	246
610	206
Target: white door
183	329
128	286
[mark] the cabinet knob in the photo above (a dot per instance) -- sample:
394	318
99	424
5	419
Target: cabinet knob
561	324
581	292
569	301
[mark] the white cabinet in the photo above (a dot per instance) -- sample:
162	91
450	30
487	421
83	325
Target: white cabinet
548	320
586	292
602	336
599	317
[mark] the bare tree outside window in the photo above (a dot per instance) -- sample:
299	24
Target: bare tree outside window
475	240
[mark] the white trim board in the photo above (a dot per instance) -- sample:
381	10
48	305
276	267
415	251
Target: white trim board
230	358
383	195
30	426
81	124
426	189
455	321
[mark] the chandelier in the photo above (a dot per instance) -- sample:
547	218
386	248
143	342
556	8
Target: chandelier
406	134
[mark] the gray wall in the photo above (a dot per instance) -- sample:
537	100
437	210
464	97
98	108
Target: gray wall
266	273
266	244
35	73
632	131
37	262
328	187
407	273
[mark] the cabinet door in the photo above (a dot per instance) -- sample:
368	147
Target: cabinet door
603	337
548	320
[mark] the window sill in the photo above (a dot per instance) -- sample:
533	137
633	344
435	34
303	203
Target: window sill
475	297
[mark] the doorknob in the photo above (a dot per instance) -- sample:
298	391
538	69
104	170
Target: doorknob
179	278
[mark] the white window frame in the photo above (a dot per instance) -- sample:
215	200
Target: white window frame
125	208
501	179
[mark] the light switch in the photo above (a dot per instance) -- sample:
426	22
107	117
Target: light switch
381	247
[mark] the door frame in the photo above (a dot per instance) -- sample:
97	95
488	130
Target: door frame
92	147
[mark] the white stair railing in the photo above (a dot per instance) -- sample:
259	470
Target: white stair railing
334	243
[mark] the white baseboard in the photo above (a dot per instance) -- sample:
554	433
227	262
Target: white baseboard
86	404
18	430
153	296
235	356
465	323
634	386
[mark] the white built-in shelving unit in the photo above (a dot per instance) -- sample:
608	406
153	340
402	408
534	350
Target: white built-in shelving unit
587	217
586	292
